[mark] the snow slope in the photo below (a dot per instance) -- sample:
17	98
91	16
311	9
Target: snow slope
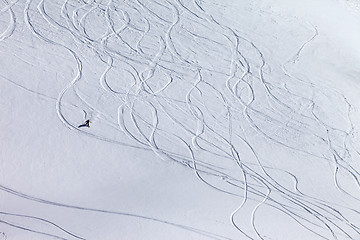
210	119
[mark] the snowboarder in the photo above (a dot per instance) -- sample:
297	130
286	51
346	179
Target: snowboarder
86	124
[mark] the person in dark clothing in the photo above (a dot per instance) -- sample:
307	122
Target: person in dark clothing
86	124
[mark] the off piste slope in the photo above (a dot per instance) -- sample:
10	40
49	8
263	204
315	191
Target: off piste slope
209	120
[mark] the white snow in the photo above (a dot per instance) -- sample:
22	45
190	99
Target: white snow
209	119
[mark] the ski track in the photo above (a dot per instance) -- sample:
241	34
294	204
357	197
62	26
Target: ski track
12	21
247	98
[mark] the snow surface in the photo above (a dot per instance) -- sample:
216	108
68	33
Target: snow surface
210	119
